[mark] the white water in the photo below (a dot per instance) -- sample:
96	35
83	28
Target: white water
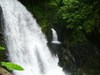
55	37
26	43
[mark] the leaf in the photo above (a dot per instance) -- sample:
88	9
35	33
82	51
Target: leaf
11	66
53	3
2	48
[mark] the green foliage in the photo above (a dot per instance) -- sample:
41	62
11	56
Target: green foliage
78	17
52	3
11	66
2	48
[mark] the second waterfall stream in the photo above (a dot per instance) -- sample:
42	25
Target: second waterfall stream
26	43
55	37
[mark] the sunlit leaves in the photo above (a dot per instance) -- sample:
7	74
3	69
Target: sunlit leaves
11	66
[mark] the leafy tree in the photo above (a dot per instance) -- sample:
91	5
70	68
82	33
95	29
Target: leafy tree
76	16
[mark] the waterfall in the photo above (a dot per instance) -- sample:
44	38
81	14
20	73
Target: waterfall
55	37
26	43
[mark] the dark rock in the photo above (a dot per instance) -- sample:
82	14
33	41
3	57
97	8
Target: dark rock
1	26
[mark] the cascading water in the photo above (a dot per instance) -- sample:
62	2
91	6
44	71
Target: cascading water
55	37
26	43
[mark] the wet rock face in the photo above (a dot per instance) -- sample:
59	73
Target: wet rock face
2	53
80	59
4	72
1	25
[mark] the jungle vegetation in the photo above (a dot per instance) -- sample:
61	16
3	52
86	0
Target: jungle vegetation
77	23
